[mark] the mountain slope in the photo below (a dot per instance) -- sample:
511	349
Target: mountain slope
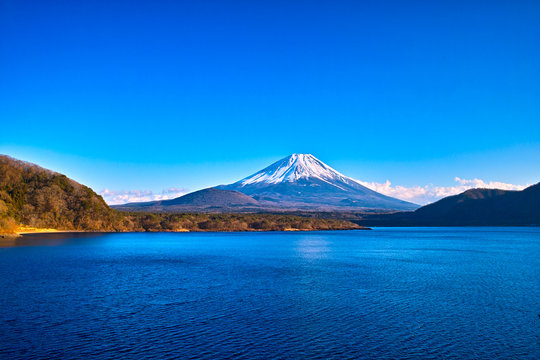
475	207
202	200
38	197
301	181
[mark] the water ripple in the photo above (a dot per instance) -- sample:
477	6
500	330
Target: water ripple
345	295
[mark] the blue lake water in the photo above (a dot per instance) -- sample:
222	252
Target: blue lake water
464	293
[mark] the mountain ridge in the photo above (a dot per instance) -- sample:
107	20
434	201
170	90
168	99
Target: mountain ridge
205	200
303	182
474	207
298	182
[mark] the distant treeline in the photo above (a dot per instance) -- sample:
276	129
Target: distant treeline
36	197
227	222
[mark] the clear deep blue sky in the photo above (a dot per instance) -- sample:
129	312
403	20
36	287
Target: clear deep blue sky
152	94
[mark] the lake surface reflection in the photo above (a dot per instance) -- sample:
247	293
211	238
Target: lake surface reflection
468	293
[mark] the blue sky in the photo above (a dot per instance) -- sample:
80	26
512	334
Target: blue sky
148	95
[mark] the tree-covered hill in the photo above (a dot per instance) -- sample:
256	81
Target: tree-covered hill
474	207
37	197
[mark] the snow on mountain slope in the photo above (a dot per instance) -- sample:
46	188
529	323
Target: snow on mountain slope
302	181
295	167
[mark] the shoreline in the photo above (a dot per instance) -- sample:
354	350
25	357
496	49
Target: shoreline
27	231
30	230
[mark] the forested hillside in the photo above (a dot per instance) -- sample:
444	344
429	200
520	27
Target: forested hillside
474	207
41	198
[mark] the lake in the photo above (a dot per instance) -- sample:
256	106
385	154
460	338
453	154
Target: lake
407	293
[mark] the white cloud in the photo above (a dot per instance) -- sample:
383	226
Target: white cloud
478	183
430	193
416	194
116	197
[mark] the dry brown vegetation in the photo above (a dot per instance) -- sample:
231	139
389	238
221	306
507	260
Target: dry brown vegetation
40	198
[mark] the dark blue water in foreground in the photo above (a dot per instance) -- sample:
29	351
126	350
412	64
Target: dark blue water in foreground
464	293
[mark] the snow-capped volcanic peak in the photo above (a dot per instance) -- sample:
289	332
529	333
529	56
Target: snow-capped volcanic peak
296	167
301	181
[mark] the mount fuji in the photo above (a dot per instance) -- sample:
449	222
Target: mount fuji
303	182
299	182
